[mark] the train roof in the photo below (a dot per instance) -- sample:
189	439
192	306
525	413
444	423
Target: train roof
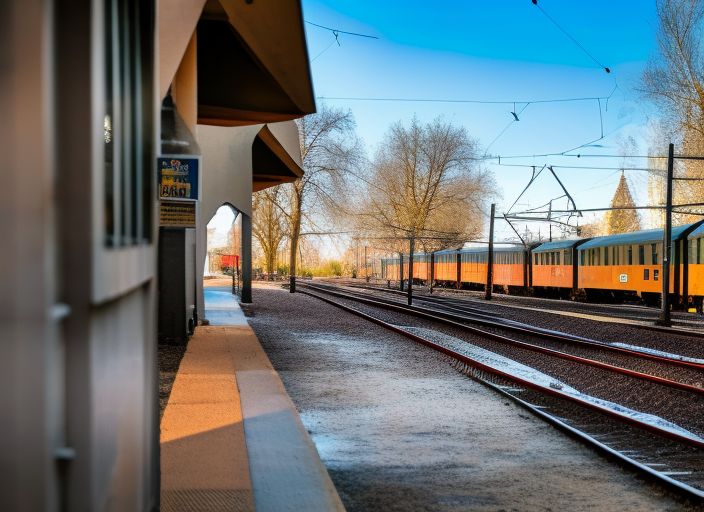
558	245
697	232
651	235
497	248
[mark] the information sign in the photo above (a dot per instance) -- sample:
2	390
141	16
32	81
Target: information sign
177	214
178	178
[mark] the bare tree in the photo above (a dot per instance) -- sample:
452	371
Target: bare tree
426	185
674	81
331	153
674	77
268	223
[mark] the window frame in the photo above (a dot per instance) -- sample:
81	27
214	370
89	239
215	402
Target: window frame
123	252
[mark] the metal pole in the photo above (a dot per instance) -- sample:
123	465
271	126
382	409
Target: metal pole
432	271
490	261
400	271
667	241
366	264
410	272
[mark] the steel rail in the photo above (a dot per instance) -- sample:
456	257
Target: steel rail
651	429
556	353
656	328
685	491
449	317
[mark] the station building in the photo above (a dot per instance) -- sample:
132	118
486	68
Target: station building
125	125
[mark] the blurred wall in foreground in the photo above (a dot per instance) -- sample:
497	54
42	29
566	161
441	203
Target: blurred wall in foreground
85	87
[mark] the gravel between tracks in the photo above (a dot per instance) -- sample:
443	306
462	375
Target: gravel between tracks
398	429
680	407
602	331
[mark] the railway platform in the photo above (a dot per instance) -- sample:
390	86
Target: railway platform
231	439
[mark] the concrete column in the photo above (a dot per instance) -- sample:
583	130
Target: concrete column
246	258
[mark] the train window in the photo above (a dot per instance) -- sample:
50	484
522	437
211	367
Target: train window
606	256
535	258
654	251
581	258
699	250
598	256
646	274
630	255
568	257
656	273
641	255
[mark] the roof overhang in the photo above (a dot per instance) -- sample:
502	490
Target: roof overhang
272	164
252	63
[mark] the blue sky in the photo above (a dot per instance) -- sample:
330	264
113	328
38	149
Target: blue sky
495	51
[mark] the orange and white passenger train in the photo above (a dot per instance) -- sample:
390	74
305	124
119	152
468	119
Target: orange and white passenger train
603	268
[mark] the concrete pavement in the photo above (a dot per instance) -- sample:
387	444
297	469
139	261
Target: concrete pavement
231	439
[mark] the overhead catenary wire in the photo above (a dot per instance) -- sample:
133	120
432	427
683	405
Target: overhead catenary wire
479	102
507	127
335	31
528	166
535	2
326	49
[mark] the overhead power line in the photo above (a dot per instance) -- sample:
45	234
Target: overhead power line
482	102
535	2
659	207
336	32
588	167
579	155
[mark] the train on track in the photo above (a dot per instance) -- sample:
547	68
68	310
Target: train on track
607	268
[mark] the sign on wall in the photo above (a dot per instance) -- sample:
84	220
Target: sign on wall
178	178
177	214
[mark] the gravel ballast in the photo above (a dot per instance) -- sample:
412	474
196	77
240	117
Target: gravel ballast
399	429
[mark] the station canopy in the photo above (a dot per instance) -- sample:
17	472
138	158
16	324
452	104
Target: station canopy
253	63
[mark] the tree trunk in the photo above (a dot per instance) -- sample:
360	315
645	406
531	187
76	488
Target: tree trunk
270	262
410	271
295	235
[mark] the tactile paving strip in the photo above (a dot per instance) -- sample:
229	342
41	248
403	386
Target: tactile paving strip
207	500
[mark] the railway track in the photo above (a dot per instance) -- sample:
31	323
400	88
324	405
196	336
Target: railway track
670	455
644	317
491	324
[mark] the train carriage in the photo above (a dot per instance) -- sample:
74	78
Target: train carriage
631	263
509	269
445	271
421	267
473	265
390	268
695	274
510	266
554	267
